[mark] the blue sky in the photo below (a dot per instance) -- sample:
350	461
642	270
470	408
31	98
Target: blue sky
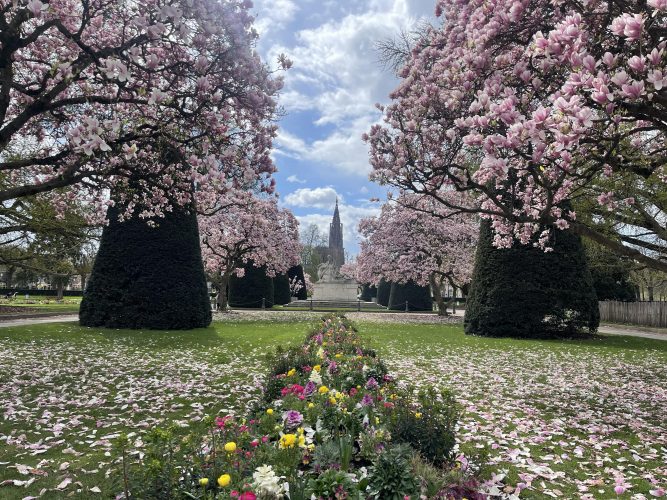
329	99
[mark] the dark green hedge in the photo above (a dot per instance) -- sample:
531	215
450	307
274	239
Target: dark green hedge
368	292
249	290
383	291
148	277
281	292
417	297
524	292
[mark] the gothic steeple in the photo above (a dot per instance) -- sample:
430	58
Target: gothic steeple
336	239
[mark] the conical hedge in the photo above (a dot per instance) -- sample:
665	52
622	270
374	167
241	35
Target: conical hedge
383	291
297	271
368	291
148	277
281	291
524	292
249	290
418	298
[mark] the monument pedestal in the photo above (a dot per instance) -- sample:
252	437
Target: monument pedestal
335	290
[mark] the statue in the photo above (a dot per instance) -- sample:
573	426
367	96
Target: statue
327	272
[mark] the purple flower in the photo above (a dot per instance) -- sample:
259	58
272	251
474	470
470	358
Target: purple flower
310	388
292	418
332	367
372	383
367	400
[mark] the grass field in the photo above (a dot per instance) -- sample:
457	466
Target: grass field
561	419
39	304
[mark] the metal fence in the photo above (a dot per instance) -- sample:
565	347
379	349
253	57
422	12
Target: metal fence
635	313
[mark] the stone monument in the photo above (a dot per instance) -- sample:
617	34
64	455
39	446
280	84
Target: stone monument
330	284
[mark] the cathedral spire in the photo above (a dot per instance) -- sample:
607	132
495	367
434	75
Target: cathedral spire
336	239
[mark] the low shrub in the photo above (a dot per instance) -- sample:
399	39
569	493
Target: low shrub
332	424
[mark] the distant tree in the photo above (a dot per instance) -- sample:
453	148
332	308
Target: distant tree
417	239
610	273
311	241
249	228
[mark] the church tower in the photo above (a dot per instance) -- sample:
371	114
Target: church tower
336	239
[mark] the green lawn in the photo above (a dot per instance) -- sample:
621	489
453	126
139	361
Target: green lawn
564	418
39	304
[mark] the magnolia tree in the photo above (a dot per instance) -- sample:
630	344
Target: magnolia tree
349	270
536	107
249	228
415	238
169	94
296	285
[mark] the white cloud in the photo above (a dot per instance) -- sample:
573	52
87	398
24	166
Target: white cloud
337	75
295	179
273	15
321	197
342	149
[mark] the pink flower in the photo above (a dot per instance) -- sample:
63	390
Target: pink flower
634	90
36	7
619	489
658	4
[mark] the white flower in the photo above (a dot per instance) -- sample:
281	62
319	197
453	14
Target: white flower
315	377
265	481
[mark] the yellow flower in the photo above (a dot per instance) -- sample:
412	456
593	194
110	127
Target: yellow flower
230	447
311	405
418	415
292	372
323	389
302	441
269	411
224	480
393	396
203	481
287	441
339	395
300	431
338	355
332	401
358	387
317	368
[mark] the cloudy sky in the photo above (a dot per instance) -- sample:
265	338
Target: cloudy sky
329	99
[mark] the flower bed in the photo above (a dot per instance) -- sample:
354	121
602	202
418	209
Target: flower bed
332	424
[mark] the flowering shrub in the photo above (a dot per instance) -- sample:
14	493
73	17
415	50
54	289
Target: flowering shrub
333	424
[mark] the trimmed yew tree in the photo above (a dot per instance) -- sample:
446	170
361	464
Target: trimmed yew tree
383	291
523	291
281	289
253	289
418	297
148	276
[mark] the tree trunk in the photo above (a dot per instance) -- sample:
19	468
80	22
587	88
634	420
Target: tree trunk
650	293
59	287
83	276
222	285
437	293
